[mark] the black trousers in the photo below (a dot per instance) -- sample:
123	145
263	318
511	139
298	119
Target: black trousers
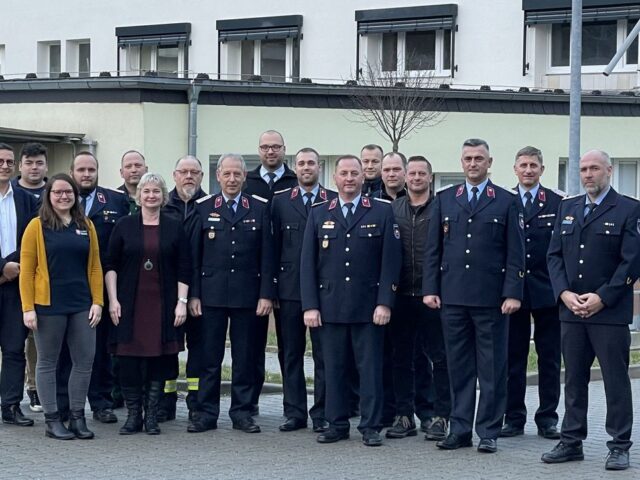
366	341
102	378
425	390
476	340
13	334
413	327
138	371
259	341
242	327
546	335
193	335
581	344
292	342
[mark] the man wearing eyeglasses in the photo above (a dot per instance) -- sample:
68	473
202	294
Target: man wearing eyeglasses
17	208
187	176
271	176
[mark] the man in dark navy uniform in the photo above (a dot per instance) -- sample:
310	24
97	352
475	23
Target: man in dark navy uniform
233	283
289	213
593	262
474	270
103	206
17	208
538	205
271	176
350	266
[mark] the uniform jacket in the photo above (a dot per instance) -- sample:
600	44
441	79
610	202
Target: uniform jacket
538	226
255	184
347	271
289	218
474	259
26	209
233	255
597	255
108	206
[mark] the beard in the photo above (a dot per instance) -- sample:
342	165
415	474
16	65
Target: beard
189	191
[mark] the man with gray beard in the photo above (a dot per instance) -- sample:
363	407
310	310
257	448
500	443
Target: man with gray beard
187	176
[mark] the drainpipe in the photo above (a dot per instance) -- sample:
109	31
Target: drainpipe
194	94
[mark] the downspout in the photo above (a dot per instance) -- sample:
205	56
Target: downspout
194	94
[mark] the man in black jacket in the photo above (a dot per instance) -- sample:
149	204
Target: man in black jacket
271	176
412	214
371	158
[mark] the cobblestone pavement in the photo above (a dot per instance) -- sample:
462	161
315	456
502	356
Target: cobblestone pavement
230	454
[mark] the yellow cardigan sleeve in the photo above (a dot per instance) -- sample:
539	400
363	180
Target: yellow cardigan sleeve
96	279
29	264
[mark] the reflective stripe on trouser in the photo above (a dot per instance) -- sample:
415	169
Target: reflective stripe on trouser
171	386
192	384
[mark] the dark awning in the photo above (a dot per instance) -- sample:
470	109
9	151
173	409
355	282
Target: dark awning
168	34
262	28
407	19
559	11
13	135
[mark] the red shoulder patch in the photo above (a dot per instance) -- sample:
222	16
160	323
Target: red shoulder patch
541	195
294	192
218	201
333	204
323	194
366	202
101	197
460	190
245	202
491	193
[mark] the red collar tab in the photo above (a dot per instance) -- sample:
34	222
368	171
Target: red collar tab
101	198
245	202
333	204
366	202
323	194
218	202
460	190
541	195
294	192
491	193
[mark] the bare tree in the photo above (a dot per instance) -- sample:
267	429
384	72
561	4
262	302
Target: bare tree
397	105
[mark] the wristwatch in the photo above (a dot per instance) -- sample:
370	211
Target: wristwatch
183	300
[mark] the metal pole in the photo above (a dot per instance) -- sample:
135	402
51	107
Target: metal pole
194	93
575	99
623	48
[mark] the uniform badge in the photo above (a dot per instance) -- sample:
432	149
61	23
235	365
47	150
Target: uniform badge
491	193
460	190
325	242
333	204
218	202
445	227
323	194
366	202
212	235
542	196
81	232
568	220
521	274
521	220
329	225
394	287
245	202
396	231
294	193
101	198
629	279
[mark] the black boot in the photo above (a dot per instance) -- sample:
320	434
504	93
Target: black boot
133	401
154	389
55	428
167	406
78	425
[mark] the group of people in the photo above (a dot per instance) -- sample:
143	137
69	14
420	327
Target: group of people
410	296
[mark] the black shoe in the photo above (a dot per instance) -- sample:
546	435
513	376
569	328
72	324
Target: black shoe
371	438
292	424
617	459
403	426
453	442
34	401
510	430
488	445
437	429
133	400
332	436
425	423
199	424
167	407
563	453
320	425
14	416
54	428
550	432
154	390
247	425
105	415
78	425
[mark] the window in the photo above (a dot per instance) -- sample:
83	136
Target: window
2	60
632	52
154	48
54	60
599	43
78	56
268	47
625	176
443	179
562	174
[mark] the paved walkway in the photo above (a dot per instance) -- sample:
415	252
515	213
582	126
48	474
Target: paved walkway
228	454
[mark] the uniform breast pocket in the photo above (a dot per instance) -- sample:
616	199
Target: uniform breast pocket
109	219
498	225
212	230
290	231
251	227
609	235
373	233
546	222
449	224
327	239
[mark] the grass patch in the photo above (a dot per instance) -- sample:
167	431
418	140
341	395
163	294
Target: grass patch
532	365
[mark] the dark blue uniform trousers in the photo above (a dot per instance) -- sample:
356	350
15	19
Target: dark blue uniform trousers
13	334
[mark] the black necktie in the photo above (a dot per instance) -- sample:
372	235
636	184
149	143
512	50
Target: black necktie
473	203
307	204
528	203
349	216
590	208
83	202
230	203
272	180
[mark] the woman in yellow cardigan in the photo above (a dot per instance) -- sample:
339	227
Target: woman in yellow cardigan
61	287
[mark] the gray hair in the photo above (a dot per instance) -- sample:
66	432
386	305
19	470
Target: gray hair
529	152
233	156
475	142
188	157
153	178
603	155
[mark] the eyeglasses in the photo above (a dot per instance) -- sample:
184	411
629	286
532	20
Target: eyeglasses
60	193
194	173
266	148
7	163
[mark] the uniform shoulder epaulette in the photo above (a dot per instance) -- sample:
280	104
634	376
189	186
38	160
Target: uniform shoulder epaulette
630	197
557	191
259	198
569	197
509	190
205	198
319	203
446	187
115	190
383	200
282	191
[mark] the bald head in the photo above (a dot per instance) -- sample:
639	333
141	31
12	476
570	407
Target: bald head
595	172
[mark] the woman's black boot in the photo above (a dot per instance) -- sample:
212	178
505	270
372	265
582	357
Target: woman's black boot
151	414
54	428
78	425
